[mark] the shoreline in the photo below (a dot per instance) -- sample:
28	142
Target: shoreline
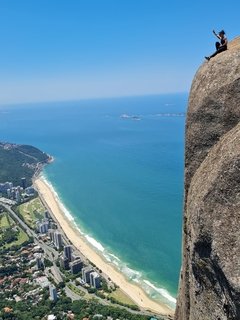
135	292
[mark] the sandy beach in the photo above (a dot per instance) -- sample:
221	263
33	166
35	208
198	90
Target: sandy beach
132	290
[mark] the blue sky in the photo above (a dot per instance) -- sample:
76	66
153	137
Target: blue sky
73	49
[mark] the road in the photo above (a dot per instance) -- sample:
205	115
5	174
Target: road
19	220
50	252
72	295
53	255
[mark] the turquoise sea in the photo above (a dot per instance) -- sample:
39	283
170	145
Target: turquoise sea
118	171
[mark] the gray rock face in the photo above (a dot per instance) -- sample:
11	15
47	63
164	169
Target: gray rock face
210	277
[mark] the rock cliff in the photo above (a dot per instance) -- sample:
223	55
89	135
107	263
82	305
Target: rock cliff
210	276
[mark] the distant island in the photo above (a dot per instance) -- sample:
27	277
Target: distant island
126	116
132	117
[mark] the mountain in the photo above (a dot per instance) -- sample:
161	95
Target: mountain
18	161
210	275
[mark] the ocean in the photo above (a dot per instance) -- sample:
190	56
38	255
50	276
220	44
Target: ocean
118	172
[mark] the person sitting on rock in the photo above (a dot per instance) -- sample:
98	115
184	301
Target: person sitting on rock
220	46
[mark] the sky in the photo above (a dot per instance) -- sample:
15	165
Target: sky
53	50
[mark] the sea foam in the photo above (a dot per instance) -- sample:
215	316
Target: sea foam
152	290
57	198
94	243
162	291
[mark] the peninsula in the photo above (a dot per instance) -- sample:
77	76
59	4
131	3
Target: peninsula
18	161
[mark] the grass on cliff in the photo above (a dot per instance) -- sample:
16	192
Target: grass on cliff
32	211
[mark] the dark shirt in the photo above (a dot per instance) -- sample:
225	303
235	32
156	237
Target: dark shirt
223	41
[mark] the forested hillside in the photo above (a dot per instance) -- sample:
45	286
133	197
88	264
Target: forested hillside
17	161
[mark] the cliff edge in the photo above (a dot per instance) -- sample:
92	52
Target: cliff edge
210	276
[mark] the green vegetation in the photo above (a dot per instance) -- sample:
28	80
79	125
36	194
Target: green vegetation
81	308
10	234
22	237
47	263
17	161
75	289
119	296
8	270
5	221
31	211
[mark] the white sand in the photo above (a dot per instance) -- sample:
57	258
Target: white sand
133	291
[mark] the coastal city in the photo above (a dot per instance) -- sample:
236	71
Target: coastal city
39	266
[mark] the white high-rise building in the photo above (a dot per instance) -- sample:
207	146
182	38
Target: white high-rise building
43	227
51	234
76	266
52	292
67	251
95	280
58	239
86	274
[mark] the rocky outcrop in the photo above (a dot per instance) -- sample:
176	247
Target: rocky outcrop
210	276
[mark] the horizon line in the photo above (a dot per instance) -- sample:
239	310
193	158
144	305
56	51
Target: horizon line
91	98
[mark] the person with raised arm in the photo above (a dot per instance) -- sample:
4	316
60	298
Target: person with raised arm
220	46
